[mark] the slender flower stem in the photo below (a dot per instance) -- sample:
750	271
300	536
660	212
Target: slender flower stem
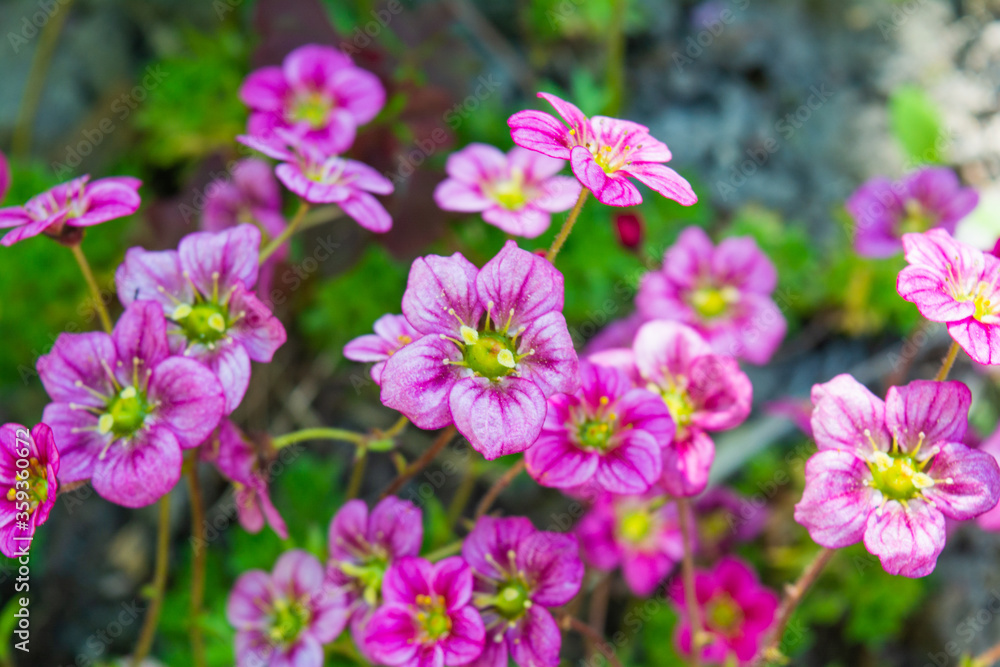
197	562
317	434
95	291
793	596
487	502
358	473
286	233
462	494
988	658
445	551
425	459
148	631
567	227
687	572
947	363
595	637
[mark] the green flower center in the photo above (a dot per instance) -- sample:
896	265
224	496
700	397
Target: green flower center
369	577
205	322
678	402
491	354
288	619
433	617
594	434
313	109
898	476
723	615
126	413
510	193
635	526
712	302
512	600
915	219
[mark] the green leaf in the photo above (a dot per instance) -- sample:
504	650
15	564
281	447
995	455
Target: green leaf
916	123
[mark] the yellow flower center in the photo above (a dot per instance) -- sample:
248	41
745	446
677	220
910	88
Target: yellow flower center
712	302
312	108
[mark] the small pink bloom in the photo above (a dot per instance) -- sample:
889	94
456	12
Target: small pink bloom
516	192
640	535
883	211
722	291
890	472
29	463
702	390
318	93
630	229
604	153
736	611
990	520
954	283
286	617
427	618
609	433
392	332
63	211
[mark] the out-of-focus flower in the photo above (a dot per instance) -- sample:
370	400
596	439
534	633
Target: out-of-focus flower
62	212
284	618
318	93
630	229
723	291
516	192
490	377
609	432
640	535
29	463
883	211
519	574
736	611
392	332
990	520
956	284
123	409
604	153
204	288
797	410
726	518
890	472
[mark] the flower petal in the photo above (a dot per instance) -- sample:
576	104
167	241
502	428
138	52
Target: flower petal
140	334
465	641
521	285
536	640
77	361
554	461
847	416
664	180
610	189
980	340
367	211
966	481
632	466
540	132
552	564
836	502
490	542
686	464
155	276
931	411
397	527
190	398
140	472
498	418
552	364
417	382
907	541
257	329
216	261
437	285
407	578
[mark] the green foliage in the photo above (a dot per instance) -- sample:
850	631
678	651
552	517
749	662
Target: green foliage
916	123
657	634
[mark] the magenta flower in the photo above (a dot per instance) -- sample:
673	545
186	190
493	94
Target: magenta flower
516	192
427	618
609	432
883	211
703	391
889	473
603	152
63	211
723	291
491	377
29	463
323	178
990	520
362	546
318	93
736	611
726	518
956	284
123	409
237	458
520	573
204	288
283	619
4	176
392	332
640	535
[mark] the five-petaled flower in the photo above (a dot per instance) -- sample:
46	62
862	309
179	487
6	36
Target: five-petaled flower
519	574
891	472
495	346
603	152
123	409
957	284
204	288
392	332
29	464
516	192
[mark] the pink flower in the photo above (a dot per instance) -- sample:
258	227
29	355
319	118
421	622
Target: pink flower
63	211
736	611
884	211
490	377
640	535
392	332
726	518
284	618
723	291
29	463
204	288
4	176
520	573
954	283
323	178
703	391
608	432
362	546
603	152
238	459
318	93
889	473
516	192
990	520
123	409
427	618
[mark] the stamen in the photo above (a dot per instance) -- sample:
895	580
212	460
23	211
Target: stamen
506	359
469	335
